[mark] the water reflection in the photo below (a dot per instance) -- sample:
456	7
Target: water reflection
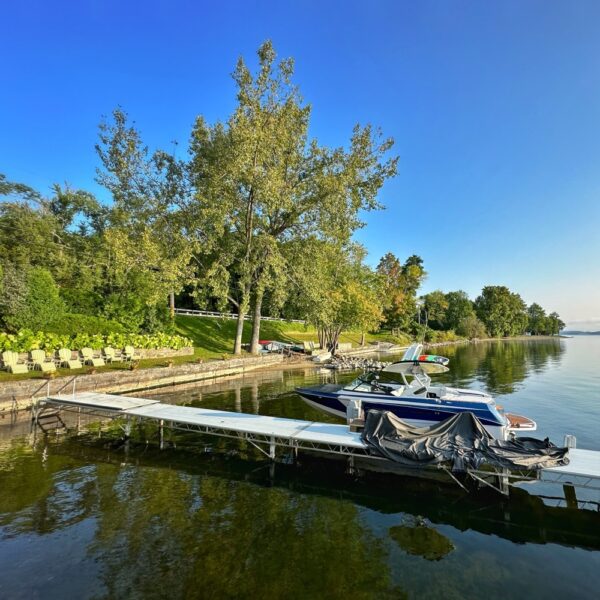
193	525
189	523
421	540
162	527
500	366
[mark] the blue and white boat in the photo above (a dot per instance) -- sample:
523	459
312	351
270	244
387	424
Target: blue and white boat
409	393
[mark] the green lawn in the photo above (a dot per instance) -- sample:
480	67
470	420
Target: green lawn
213	339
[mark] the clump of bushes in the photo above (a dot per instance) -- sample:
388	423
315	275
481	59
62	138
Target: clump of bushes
472	328
25	340
72	323
29	298
433	336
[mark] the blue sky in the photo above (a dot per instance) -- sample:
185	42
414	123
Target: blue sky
494	106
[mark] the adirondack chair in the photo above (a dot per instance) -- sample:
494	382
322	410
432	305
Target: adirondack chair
110	355
66	360
87	354
40	361
12	363
129	353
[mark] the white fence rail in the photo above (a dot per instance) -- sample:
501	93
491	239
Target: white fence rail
219	315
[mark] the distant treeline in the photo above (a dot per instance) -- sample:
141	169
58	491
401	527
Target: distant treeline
496	312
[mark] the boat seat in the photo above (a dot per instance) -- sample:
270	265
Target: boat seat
398	391
437	391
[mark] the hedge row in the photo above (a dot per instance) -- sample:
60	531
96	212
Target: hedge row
72	323
26	340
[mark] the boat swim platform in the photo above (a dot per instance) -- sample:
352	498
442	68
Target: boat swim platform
583	470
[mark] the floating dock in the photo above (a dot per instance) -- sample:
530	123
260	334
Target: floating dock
269	433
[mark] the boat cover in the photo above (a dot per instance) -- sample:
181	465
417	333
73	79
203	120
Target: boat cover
460	441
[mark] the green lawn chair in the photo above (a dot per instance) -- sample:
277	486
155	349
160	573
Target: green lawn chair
87	354
129	354
12	363
110	355
66	359
40	361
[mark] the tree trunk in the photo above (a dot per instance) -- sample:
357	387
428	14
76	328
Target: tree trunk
362	338
254	346
172	305
321	333
333	339
237	347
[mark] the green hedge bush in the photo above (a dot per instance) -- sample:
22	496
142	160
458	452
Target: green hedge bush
26	340
73	323
433	336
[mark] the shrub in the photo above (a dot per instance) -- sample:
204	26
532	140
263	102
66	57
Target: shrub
30	299
72	323
472	328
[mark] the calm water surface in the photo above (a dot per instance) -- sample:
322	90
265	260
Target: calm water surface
89	517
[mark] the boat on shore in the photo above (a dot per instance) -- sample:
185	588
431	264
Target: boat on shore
405	389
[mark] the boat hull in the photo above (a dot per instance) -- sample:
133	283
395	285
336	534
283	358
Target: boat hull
419	412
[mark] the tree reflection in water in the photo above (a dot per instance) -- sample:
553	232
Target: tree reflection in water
163	531
500	365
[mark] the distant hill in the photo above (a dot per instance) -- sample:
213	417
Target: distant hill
580	332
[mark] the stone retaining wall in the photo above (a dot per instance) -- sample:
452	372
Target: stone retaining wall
17	395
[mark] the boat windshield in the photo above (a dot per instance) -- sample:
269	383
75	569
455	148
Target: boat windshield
362	382
366	381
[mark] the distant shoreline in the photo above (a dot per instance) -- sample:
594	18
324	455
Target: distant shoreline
496	339
564	333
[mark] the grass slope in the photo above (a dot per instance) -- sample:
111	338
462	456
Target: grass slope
214	337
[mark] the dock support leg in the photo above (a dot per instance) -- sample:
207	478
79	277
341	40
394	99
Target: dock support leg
78	420
504	482
34	409
570	496
161	433
351	469
272	449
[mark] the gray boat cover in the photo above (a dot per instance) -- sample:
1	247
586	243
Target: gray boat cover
460	441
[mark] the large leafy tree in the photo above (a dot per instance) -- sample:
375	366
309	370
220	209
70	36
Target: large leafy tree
502	312
435	305
536	319
554	324
56	233
147	253
460	307
336	291
260	182
400	285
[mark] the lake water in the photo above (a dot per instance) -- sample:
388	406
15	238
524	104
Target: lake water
88	517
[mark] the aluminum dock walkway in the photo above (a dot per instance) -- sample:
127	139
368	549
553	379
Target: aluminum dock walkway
257	429
267	433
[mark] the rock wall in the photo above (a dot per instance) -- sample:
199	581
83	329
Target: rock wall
17	395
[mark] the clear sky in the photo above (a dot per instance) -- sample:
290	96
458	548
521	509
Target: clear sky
494	106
